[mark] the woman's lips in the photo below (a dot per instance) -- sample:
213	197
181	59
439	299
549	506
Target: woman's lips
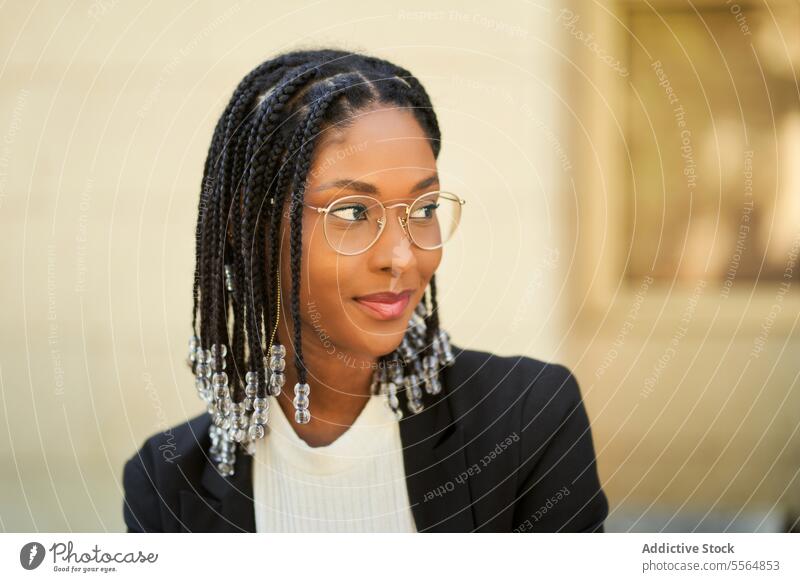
385	305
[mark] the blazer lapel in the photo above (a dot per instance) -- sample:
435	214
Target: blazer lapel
229	505
435	465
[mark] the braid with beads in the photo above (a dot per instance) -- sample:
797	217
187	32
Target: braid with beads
261	151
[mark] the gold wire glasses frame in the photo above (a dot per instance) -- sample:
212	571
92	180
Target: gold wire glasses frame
352	224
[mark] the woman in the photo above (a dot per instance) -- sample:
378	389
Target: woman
321	190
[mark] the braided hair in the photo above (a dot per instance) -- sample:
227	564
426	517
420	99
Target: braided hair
261	152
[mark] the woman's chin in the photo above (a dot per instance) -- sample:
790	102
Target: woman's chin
383	344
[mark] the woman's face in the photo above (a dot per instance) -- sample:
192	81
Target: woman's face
389	154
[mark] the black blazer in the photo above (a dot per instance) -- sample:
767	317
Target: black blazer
506	446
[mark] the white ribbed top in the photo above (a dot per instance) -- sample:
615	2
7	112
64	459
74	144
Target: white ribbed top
354	484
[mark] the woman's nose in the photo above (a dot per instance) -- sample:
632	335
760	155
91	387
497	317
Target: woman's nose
390	232
394	245
402	235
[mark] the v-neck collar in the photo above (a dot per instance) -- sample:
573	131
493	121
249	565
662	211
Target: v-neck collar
360	441
433	454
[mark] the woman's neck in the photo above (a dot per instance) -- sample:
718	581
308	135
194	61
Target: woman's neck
340	389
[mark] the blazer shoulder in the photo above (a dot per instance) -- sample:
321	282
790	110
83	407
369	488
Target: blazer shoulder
184	440
165	463
554	484
507	391
477	373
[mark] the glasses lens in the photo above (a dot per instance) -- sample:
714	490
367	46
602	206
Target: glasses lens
433	219
353	223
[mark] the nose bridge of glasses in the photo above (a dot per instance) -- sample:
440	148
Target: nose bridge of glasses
401	218
402	215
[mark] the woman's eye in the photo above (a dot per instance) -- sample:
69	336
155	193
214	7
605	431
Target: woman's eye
427	211
350	212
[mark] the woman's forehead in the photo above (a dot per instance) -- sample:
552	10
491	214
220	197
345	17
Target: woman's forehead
381	137
384	152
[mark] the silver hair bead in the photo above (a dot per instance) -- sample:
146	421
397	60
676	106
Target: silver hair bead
229	278
217	356
260	416
436	385
256	431
194	341
277	363
301	401
392	400
202	356
449	359
219	379
221	392
251	386
415	401
276	383
202	370
220	350
227	405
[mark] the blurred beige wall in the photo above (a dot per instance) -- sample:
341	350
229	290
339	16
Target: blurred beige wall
692	373
106	113
107	110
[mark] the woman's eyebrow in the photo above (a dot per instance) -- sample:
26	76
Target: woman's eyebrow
367	188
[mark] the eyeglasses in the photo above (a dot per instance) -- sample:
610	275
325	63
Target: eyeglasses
352	224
